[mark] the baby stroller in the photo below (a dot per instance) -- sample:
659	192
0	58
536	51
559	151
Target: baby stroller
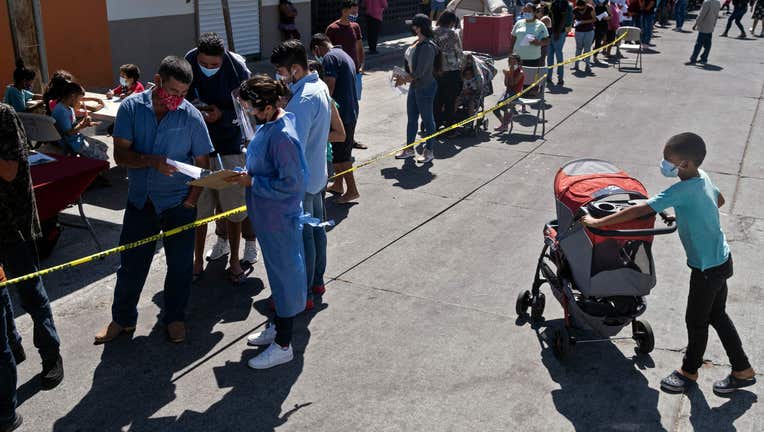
599	276
471	100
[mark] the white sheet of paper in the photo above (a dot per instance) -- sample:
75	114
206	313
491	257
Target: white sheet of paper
527	40
601	16
192	171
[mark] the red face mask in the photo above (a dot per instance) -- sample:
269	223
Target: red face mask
171	102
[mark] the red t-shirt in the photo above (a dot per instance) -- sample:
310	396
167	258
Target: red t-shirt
345	36
137	87
518	75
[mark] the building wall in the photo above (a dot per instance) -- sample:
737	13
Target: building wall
77	39
143	32
270	35
7	61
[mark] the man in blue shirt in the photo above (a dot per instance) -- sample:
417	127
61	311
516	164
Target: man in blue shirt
150	128
339	70
311	105
218	72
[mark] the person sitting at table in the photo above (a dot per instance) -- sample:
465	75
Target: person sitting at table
55	86
19	94
128	82
72	141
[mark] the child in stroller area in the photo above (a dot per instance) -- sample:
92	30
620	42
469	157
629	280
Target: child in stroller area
696	201
514	77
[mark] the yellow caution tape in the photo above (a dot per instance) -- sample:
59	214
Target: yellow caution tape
205	221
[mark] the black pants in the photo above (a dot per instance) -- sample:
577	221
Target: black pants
449	86
600	34
372	32
737	14
283	330
706	305
532	62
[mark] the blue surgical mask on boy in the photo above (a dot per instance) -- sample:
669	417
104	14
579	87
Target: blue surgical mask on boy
528	15
668	169
208	72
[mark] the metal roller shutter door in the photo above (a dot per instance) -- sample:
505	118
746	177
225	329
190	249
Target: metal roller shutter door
245	24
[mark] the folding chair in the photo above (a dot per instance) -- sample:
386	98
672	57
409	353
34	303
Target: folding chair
39	128
633	35
531	75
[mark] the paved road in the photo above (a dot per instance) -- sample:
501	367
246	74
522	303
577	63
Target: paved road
417	330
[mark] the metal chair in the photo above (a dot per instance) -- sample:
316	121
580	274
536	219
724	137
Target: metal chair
634	35
531	75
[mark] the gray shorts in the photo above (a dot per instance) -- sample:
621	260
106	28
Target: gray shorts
211	200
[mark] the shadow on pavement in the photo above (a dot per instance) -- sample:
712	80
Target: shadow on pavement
598	377
134	379
411	175
705	418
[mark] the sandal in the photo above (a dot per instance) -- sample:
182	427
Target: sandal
676	383
731	384
238	279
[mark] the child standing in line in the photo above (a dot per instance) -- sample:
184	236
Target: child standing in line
514	78
696	201
128	82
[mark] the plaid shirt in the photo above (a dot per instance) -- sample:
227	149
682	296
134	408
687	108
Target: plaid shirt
18	210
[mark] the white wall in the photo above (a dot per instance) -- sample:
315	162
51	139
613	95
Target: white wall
131	9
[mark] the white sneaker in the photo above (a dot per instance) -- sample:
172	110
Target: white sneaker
265	337
218	251
425	157
250	252
405	154
274	355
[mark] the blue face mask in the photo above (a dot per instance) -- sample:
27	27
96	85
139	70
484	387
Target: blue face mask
353	18
208	72
528	16
668	169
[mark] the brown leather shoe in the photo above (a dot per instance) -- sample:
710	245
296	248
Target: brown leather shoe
176	331
111	332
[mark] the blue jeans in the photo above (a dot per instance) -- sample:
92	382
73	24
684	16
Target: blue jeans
646	25
703	41
680	11
420	101
314	239
584	44
555	50
135	263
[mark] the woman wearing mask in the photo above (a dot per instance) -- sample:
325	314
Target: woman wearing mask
600	27
527	38
421	59
275	181
584	17
562	21
449	80
542	14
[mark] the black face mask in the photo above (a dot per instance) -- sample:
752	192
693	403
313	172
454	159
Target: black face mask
413	32
259	121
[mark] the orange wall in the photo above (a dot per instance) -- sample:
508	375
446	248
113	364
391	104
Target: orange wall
77	39
7	62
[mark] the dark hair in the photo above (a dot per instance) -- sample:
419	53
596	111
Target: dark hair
581	3
447	19
288	53
516	57
347	4
317	67
689	146
543	7
72	88
22	73
319	39
262	90
211	44
53	90
175	67
131	71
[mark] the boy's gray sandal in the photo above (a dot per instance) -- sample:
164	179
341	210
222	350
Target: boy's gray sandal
676	383
731	384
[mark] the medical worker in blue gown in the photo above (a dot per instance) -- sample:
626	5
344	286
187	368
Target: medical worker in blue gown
276	179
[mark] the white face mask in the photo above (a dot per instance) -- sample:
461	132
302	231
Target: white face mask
123	81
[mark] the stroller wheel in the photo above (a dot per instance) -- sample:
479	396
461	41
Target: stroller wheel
643	335
561	343
537	308
522	303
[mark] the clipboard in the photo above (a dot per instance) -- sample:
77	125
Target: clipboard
215	180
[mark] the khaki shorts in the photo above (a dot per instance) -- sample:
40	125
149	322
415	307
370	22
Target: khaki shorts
211	200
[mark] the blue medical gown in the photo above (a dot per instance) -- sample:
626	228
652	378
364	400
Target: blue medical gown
276	162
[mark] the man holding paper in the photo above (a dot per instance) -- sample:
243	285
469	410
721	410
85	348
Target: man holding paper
151	128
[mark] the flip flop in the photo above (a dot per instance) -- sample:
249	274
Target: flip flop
238	279
676	383
731	384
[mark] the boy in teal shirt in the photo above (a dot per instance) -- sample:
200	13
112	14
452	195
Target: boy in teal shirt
696	201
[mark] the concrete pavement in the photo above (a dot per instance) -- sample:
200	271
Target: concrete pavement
417	330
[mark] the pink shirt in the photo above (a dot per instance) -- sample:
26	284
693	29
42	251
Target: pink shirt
374	8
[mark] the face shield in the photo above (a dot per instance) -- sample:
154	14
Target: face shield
246	119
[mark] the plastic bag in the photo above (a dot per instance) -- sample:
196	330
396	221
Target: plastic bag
399	72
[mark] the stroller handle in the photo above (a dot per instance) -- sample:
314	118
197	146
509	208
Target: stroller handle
669	229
